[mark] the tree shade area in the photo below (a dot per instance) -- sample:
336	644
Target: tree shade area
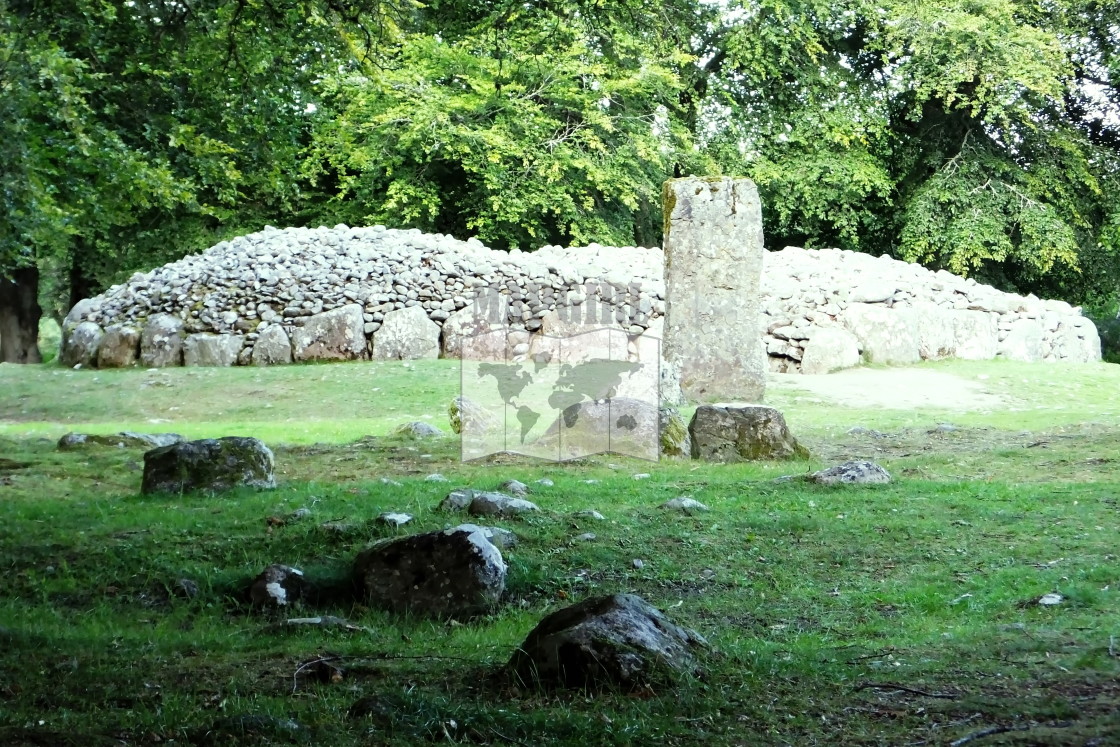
979	136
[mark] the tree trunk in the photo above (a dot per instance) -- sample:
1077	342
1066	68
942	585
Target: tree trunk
19	317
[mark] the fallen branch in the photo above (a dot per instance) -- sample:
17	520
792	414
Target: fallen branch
902	688
990	731
369	657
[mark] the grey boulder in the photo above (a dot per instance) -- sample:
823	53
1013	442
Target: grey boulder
273	347
122	440
119	346
444	574
208	465
205	349
418	429
161	342
277	586
406	334
486	503
80	344
613	641
335	335
742	432
852	473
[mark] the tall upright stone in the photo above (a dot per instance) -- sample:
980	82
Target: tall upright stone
713	270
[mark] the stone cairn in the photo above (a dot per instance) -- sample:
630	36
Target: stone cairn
298	294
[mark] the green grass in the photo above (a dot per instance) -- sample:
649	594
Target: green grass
819	603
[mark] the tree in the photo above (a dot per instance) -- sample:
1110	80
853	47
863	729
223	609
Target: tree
961	134
521	123
135	133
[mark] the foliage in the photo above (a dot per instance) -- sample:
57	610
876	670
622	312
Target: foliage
520	127
960	134
981	136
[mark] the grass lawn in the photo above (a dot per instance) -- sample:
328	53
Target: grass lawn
893	615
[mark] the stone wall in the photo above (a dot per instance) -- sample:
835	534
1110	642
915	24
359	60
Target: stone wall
343	293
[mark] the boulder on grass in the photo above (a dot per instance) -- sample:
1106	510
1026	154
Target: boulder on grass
742	432
852	473
212	464
452	573
468	416
619	425
122	440
419	430
486	503
618	640
277	586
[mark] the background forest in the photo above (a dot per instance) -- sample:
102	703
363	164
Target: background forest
979	136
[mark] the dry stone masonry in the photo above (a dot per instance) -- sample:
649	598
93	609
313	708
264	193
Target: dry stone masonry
342	293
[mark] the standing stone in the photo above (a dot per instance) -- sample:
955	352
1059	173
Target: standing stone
161	342
273	347
335	335
206	349
80	346
713	269
118	347
406	334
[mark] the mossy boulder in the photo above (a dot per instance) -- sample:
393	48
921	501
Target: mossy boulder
615	641
673	434
211	464
742	432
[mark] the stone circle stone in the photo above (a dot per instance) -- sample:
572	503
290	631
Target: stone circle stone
277	586
210	464
859	472
119	347
273	347
742	432
206	349
616	641
443	574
